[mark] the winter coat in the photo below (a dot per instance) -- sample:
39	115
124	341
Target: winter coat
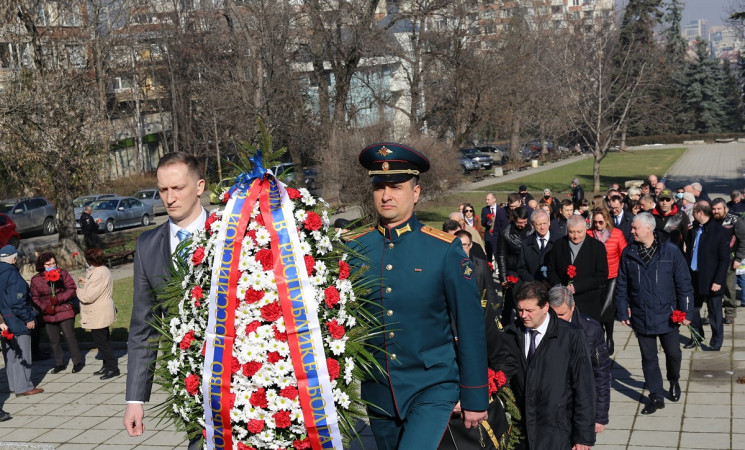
592	273
97	299
613	248
15	300
55	309
556	390
653	291
532	263
598	349
675	224
508	249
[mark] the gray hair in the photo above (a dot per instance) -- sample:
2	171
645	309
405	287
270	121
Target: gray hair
697	186
646	219
537	213
457	214
576	221
558	295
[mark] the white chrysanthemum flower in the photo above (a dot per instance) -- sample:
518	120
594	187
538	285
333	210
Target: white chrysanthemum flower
173	366
301	215
337	346
348	368
324	245
263	237
341	398
307	198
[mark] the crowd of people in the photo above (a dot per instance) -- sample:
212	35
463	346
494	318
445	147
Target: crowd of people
39	295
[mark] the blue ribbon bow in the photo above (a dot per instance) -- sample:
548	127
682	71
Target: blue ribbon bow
244	180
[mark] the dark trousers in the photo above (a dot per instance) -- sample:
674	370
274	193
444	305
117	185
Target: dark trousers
92	240
714	307
650	363
102	340
68	328
423	427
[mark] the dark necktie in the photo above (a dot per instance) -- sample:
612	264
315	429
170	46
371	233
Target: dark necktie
543	244
531	349
617	220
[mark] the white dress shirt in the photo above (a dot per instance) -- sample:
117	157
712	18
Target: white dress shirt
539	337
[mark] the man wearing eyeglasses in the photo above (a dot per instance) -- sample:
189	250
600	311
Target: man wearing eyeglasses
670	219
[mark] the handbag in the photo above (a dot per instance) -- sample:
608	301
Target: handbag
75	303
484	437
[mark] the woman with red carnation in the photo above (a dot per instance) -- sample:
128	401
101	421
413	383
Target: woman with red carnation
614	241
53	290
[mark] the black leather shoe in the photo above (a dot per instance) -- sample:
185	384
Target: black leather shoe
100	371
58	369
611	346
4	416
705	321
675	391
78	367
653	406
111	374
690	344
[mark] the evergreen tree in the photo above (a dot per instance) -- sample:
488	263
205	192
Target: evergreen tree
674	85
639	21
675	45
705	94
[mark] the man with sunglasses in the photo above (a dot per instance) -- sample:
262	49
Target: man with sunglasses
671	220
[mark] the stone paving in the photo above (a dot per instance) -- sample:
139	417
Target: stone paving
81	412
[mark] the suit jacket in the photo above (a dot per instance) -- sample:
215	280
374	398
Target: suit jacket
625	225
151	270
486	223
531	259
713	257
592	273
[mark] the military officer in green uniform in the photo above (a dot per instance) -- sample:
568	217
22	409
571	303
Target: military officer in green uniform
421	281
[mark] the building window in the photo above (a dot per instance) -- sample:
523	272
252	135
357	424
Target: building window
75	55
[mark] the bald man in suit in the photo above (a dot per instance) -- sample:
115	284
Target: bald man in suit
181	187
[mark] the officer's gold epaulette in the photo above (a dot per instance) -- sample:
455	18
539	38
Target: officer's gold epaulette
358	233
441	235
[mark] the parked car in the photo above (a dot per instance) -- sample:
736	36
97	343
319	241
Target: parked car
119	212
484	159
151	197
31	214
500	154
221	188
8	233
81	202
468	165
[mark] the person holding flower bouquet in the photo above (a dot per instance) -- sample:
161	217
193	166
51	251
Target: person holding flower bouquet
19	315
653	281
52	290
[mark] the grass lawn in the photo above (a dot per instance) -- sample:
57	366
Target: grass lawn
617	167
123	302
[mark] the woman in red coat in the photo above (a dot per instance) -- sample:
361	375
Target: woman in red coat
52	290
602	229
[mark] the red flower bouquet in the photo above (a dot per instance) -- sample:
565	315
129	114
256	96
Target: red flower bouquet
678	317
7	335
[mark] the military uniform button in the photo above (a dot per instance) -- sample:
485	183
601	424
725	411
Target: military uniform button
391	334
388	290
391	245
390	312
388	267
393	356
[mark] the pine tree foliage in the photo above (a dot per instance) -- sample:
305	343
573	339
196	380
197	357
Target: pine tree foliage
706	93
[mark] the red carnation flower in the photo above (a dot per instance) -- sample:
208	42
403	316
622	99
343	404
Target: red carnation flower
571	271
192	383
331	295
289	392
235	365
301	444
208	223
75	254
333	366
264	256
197	293
310	264
187	340
678	316
279	335
225	197
343	270
251	327
337	331
512	279
204	434
313	221
273	357
501	379
253	296
52	275
271	312
293	193
242	446
252	234
282	419
7	334
251	367
255	426
258	398
198	256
